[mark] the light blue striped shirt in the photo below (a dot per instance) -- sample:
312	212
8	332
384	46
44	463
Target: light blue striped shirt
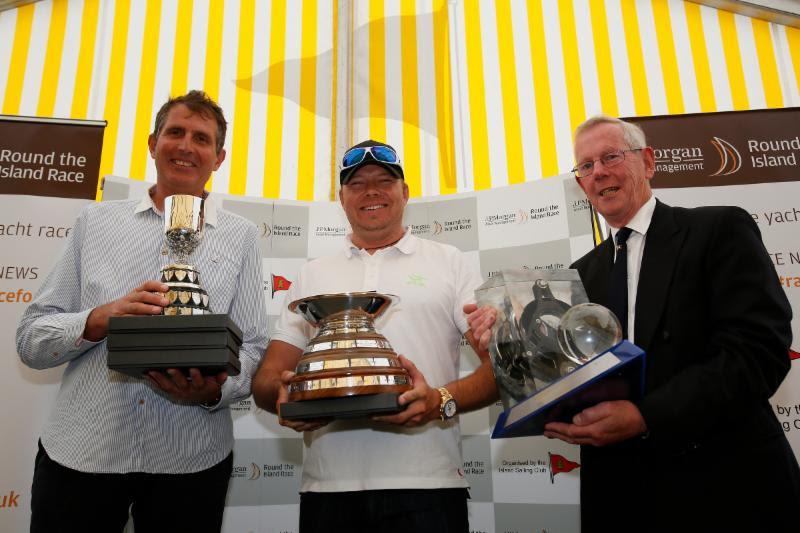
104	421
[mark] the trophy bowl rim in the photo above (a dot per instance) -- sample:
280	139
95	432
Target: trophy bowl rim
389	299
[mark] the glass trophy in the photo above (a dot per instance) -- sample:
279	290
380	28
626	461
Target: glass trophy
552	351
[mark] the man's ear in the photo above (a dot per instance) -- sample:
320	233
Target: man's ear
151	144
220	158
649	158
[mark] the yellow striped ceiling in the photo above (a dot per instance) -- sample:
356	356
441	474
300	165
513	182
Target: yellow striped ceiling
474	94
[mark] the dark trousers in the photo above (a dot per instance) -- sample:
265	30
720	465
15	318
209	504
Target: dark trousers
64	500
387	511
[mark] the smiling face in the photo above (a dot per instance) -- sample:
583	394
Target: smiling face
373	200
617	192
185	153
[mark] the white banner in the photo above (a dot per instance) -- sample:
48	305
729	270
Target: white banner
33	230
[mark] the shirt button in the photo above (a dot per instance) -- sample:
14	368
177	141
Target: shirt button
141	401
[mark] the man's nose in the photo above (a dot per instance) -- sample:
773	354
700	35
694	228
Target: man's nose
184	143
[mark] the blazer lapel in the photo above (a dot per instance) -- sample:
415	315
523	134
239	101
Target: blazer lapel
598	273
662	244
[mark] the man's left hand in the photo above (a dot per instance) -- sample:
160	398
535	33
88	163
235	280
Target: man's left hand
194	390
600	425
421	402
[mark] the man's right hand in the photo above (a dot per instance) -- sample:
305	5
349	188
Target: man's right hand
147	299
283	397
481	320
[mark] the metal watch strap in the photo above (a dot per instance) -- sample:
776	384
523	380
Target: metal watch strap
446	397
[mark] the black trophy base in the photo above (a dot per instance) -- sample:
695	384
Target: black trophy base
342	407
138	344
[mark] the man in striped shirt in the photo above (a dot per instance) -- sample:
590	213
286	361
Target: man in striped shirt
159	447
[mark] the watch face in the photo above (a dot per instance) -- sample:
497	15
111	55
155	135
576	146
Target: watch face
450	409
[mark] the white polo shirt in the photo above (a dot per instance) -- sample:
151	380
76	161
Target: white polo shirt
434	281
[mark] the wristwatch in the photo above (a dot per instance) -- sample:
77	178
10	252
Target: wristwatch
448	407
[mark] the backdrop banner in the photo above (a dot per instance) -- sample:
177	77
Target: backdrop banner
749	159
48	172
49	156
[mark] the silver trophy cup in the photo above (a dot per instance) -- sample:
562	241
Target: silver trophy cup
183	231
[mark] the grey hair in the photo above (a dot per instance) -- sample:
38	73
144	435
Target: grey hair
632	133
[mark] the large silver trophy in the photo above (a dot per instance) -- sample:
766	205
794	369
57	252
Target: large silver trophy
189	336
554	353
348	369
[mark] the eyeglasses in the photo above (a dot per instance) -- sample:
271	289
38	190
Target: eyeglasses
611	159
383	154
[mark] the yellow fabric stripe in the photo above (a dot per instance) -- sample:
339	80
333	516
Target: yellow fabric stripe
241	114
116	71
334	82
572	63
19	59
274	131
444	98
308	103
180	56
793	38
602	54
144	101
765	49
216	18
669	60
633	44
410	81
52	59
515	158
377	71
477	96
83	74
702	70
541	89
733	59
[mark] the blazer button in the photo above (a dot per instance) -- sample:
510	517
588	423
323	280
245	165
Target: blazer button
665	335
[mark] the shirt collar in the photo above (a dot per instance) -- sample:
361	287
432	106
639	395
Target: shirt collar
210	215
407	244
640	222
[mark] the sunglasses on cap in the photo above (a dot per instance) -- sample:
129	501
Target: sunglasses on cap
384	154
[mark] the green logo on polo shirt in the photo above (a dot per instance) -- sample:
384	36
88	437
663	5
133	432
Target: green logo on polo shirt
416	279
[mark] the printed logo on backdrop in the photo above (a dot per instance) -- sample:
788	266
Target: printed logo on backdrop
243	406
553	465
330	231
250	473
560	465
522	215
50	157
729	148
451	222
279	283
9	500
266	472
477	466
290	231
